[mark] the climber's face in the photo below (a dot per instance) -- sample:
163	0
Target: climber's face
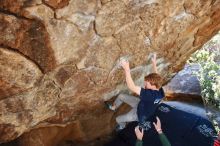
147	85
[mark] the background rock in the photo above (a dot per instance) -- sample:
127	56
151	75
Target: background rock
185	85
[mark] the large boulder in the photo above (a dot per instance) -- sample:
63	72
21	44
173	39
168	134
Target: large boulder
59	58
184	85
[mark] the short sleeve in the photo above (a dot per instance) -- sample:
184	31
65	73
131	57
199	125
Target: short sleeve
162	92
142	93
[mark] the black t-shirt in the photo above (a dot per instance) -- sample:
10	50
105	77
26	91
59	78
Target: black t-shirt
149	100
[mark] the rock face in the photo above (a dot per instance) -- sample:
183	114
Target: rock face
184	86
184	82
59	58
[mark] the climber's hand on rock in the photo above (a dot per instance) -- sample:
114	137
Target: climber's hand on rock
125	65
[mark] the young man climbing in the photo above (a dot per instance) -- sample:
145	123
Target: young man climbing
143	107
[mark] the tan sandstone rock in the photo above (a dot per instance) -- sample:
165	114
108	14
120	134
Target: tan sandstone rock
17	73
60	58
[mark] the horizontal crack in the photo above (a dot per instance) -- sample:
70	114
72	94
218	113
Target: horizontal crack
13	14
25	56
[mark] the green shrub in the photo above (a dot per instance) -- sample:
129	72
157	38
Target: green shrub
209	77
